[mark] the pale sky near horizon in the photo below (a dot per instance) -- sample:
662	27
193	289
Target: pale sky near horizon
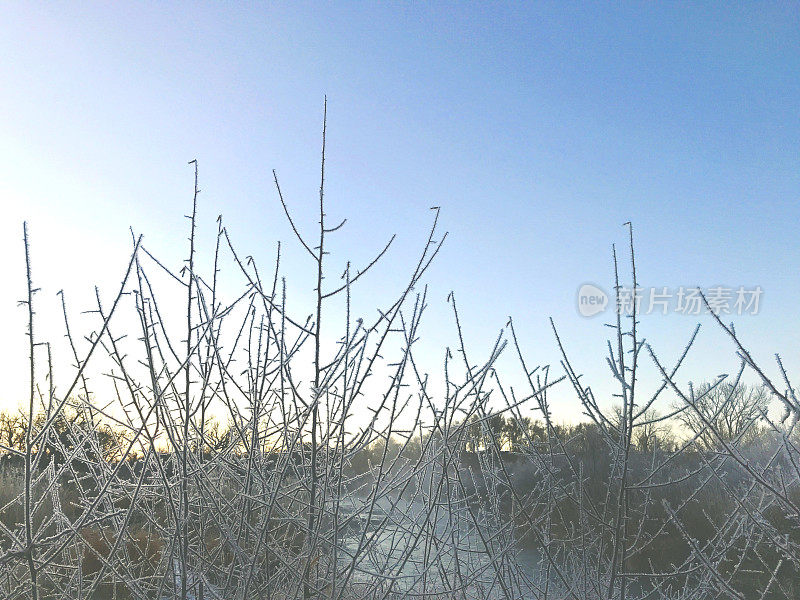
538	128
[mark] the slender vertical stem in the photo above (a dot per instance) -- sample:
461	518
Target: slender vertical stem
317	366
29	428
623	432
187	402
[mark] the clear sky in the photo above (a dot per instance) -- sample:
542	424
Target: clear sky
539	128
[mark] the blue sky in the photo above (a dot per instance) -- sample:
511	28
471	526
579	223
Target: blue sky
538	128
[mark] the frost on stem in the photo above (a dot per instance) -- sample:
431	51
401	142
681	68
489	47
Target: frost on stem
228	452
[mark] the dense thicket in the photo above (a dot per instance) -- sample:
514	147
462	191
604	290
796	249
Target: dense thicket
230	452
